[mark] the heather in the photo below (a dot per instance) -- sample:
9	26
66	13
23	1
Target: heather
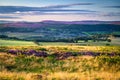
60	63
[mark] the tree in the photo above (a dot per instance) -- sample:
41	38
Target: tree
86	40
3	36
109	40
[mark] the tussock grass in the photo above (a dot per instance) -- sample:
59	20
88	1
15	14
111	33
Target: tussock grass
79	67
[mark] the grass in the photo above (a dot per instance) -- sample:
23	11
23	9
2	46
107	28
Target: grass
115	42
15	43
78	67
59	76
52	49
73	68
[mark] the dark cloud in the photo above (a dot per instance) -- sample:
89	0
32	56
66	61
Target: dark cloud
110	14
33	10
9	17
112	6
64	6
13	9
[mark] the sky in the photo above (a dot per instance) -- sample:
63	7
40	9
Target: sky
59	10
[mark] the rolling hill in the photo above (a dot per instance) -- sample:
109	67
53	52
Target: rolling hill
53	30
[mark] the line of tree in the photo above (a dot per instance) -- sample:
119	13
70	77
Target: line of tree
94	38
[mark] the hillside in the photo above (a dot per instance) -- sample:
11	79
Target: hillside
54	30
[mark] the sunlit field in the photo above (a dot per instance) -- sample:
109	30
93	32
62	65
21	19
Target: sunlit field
3	42
59	62
15	43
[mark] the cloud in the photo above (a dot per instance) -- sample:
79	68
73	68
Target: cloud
19	11
110	14
12	9
112	6
9	17
54	12
64	6
7	12
64	10
53	8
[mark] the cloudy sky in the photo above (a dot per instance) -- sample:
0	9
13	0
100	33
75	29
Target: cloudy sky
59	10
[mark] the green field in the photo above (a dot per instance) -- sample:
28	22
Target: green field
114	42
15	43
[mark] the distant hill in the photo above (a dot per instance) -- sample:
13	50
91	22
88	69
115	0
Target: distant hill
56	30
82	22
50	22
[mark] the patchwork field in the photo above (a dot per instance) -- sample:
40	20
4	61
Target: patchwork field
114	42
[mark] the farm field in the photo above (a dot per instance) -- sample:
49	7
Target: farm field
15	43
114	42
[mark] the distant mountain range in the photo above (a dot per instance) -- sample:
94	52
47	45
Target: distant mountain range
50	22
